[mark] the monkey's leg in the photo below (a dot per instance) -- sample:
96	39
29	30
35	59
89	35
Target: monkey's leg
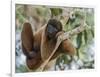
27	37
27	45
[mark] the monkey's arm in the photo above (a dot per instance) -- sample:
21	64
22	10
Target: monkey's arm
68	47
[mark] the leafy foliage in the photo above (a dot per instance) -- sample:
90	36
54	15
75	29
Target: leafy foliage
84	41
56	11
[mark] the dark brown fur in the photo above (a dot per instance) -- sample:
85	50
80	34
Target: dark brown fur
41	45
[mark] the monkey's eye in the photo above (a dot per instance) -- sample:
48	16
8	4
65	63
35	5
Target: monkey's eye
51	29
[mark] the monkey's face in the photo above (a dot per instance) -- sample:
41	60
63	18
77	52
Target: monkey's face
53	27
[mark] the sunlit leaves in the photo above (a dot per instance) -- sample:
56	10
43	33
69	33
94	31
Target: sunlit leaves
55	11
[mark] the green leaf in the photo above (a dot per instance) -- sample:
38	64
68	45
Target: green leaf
92	31
20	16
85	36
80	14
79	40
56	11
90	19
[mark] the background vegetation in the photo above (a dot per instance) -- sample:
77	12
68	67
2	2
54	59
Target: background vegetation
39	16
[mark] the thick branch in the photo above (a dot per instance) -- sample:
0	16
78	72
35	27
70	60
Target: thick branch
75	31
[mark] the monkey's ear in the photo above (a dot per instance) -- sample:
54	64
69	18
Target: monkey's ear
27	37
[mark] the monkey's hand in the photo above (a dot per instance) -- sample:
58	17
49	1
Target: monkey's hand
59	33
31	55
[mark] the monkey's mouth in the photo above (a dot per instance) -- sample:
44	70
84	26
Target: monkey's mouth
52	35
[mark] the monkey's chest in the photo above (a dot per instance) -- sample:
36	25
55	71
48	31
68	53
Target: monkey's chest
36	47
50	48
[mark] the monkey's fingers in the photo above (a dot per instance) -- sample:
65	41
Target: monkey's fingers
59	33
